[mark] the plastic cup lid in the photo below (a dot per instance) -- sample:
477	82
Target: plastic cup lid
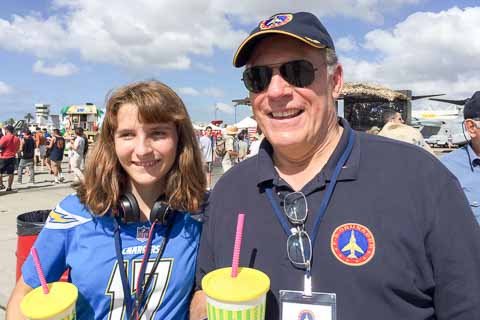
37	305
249	285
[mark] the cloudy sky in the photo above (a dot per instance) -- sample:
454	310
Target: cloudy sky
66	52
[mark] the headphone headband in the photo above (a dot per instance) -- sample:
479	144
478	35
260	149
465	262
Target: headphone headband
129	210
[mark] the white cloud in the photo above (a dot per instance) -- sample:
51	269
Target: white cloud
224	107
346	44
205	67
188	91
169	34
210	92
4	88
213	92
56	70
427	52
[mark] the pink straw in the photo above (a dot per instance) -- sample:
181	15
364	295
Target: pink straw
238	244
34	253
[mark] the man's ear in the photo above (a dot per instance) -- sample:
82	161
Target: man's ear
337	81
471	128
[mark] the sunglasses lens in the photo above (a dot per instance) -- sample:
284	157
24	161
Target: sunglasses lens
256	79
295	206
299	73
299	248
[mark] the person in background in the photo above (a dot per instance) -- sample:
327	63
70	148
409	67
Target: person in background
379	228
40	148
27	153
77	148
143	187
231	148
9	146
206	145
57	146
392	116
242	146
46	134
464	162
405	133
373	130
255	145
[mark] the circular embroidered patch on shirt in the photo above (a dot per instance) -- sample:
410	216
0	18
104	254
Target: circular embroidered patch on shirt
276	21
353	244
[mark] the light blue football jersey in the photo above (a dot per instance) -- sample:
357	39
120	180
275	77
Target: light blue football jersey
73	238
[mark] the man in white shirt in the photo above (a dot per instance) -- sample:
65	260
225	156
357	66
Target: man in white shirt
207	154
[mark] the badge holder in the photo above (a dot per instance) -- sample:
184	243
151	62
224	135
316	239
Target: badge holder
307	305
318	306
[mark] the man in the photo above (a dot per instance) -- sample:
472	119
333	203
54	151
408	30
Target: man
231	148
9	145
40	147
206	146
405	133
242	145
382	229
27	152
76	159
464	163
56	147
392	116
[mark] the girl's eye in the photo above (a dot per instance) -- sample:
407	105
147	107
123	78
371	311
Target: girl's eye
159	133
126	135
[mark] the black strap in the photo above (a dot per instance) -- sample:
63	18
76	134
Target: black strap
123	274
134	305
140	297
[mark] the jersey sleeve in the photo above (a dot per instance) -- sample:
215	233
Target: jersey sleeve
52	242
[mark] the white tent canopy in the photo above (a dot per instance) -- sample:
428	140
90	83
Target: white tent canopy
248	122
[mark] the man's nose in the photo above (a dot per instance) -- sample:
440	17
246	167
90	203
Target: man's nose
278	86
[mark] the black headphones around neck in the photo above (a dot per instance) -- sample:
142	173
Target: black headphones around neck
129	210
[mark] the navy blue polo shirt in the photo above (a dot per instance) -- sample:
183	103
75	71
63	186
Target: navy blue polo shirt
418	245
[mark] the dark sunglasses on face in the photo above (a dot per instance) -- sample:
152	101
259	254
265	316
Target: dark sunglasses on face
298	73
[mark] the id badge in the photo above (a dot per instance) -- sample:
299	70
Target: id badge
318	306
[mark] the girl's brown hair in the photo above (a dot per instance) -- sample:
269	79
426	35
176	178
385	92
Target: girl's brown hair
105	180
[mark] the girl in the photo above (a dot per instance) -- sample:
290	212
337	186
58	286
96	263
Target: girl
127	235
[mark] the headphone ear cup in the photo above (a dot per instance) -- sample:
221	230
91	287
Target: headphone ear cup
129	210
161	212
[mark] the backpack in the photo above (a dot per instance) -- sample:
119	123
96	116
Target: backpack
220	147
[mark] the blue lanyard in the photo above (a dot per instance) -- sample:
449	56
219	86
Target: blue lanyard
133	305
326	198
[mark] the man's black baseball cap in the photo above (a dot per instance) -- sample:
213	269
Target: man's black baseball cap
303	26
472	107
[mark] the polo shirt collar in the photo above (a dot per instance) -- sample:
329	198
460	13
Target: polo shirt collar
267	173
475	160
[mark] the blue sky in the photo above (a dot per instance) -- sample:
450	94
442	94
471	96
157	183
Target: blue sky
66	52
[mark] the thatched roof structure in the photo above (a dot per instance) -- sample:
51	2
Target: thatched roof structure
359	90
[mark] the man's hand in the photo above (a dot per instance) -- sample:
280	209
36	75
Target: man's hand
198	306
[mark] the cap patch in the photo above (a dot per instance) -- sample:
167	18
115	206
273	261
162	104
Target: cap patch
353	244
276	21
